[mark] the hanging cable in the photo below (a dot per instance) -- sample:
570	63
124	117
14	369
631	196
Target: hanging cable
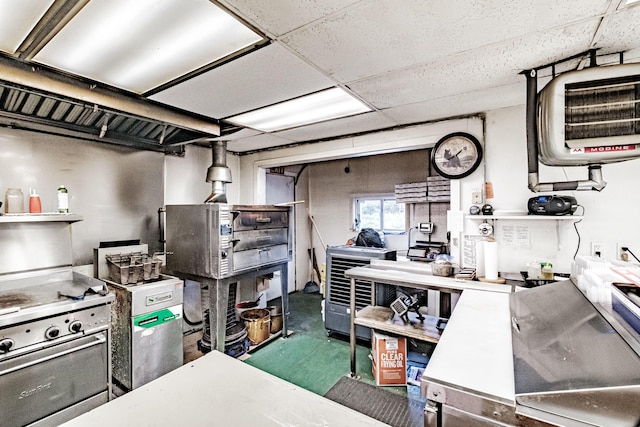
577	232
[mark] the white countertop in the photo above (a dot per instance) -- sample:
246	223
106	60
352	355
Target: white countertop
475	352
218	390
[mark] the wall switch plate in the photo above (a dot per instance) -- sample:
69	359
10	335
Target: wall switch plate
476	197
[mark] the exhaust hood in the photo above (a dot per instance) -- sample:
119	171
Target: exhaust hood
42	100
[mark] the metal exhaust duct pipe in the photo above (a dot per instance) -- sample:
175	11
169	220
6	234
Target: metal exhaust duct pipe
218	173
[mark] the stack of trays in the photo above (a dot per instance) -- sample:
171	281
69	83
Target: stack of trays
438	189
413	192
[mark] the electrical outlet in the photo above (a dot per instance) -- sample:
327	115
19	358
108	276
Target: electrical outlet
596	249
476	197
620	253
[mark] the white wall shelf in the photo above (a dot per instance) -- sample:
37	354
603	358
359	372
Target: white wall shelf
527	217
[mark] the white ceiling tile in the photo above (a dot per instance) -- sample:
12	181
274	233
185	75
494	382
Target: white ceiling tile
462	104
476	69
374	37
618	35
278	17
270	75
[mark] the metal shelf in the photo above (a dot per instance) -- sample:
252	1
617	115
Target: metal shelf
43	217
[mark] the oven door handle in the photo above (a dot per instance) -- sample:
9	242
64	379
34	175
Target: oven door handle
99	340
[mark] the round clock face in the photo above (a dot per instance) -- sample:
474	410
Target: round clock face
456	155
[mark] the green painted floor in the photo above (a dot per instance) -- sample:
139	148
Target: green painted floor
309	358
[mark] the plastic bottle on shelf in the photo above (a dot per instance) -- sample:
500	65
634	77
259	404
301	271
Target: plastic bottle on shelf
547	271
63	199
13	201
34	202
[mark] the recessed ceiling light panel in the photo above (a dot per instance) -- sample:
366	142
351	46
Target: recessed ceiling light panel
317	107
138	45
17	19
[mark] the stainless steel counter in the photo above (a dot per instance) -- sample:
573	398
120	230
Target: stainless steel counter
473	362
411	275
218	390
542	356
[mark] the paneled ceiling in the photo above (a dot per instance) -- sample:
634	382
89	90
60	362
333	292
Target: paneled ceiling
410	61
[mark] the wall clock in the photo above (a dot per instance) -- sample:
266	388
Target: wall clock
456	155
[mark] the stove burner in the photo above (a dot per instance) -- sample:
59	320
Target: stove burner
13	300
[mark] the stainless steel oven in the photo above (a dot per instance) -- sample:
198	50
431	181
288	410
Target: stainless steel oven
219	240
54	348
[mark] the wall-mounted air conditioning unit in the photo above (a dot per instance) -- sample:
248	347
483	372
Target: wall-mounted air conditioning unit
590	116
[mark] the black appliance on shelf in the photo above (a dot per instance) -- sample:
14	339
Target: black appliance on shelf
338	287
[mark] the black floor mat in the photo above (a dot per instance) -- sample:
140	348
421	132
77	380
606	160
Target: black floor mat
376	402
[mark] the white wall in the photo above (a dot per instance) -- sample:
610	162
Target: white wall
609	217
116	190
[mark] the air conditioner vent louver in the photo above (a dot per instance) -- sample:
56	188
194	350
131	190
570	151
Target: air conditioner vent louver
341	285
611	109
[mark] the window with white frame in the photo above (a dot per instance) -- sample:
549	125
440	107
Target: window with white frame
380	212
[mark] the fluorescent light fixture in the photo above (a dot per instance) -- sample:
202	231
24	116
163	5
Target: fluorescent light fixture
316	107
138	45
17	19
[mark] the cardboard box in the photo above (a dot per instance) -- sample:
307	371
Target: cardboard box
262	284
388	359
416	364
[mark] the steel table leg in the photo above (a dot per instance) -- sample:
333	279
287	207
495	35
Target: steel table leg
352	327
284	289
218	303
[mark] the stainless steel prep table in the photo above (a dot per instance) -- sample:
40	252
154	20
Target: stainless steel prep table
218	390
411	275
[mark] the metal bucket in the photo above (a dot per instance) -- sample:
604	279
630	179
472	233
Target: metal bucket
276	318
258	323
244	306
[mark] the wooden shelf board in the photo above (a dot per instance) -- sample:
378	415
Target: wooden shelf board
384	319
